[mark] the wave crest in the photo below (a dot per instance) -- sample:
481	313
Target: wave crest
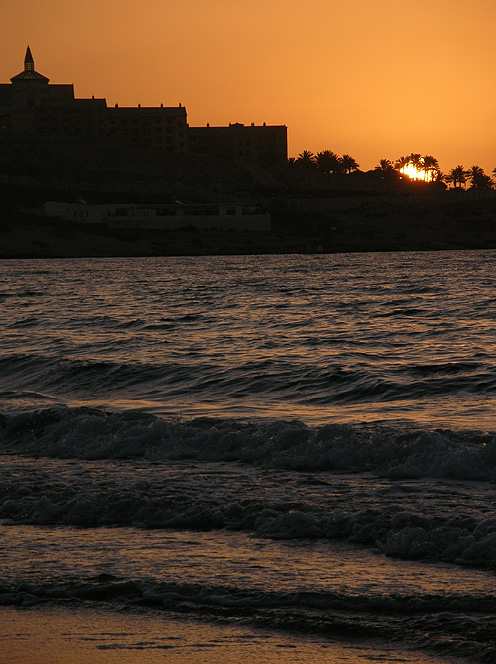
90	433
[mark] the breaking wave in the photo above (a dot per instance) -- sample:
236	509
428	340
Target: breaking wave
400	619
275	479
91	433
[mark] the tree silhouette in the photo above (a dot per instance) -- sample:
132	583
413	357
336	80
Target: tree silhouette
475	175
414	164
440	177
348	163
430	166
415	159
339	167
306	159
457	176
385	169
486	182
478	179
327	161
384	165
401	162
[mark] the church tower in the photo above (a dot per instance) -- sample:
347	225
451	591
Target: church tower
29	73
28	61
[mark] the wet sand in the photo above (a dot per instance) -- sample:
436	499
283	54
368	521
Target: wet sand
39	635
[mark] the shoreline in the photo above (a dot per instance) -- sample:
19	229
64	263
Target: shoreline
90	635
381	229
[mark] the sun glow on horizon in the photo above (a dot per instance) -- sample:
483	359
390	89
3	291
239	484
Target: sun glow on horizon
368	103
418	172
413	173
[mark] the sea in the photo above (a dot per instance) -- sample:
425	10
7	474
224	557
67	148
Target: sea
287	458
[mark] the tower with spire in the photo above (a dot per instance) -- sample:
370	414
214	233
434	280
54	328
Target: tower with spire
32	108
29	73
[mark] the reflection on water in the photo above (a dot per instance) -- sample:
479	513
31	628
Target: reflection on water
340	493
87	636
321	338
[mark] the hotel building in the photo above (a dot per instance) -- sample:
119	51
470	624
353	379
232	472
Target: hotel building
32	108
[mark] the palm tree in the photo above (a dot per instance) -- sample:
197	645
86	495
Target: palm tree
485	182
401	162
327	161
306	159
414	164
349	164
384	165
431	168
407	164
474	172
385	169
415	159
339	167
475	175
478	179
457	176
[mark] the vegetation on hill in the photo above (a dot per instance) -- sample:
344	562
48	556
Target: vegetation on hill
415	166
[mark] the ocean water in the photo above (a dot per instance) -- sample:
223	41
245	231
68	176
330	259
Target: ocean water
292	451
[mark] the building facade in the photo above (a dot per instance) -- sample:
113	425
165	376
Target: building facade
239	142
174	216
32	107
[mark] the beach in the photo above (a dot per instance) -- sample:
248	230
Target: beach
327	222
287	458
89	636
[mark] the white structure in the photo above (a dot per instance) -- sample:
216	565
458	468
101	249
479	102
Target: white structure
165	217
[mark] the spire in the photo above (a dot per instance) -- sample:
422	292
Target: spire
29	73
28	60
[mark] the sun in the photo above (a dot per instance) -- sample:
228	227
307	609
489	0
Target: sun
415	173
419	170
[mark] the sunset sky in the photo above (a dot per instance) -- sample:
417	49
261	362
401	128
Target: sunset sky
372	78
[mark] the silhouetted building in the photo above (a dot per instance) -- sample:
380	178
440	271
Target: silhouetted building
163	216
32	107
239	142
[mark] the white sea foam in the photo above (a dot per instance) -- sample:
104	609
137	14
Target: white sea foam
85	433
299	402
289	589
266	478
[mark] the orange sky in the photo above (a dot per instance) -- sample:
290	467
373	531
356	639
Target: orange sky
372	78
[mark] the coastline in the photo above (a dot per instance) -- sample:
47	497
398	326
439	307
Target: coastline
89	635
310	212
373	228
